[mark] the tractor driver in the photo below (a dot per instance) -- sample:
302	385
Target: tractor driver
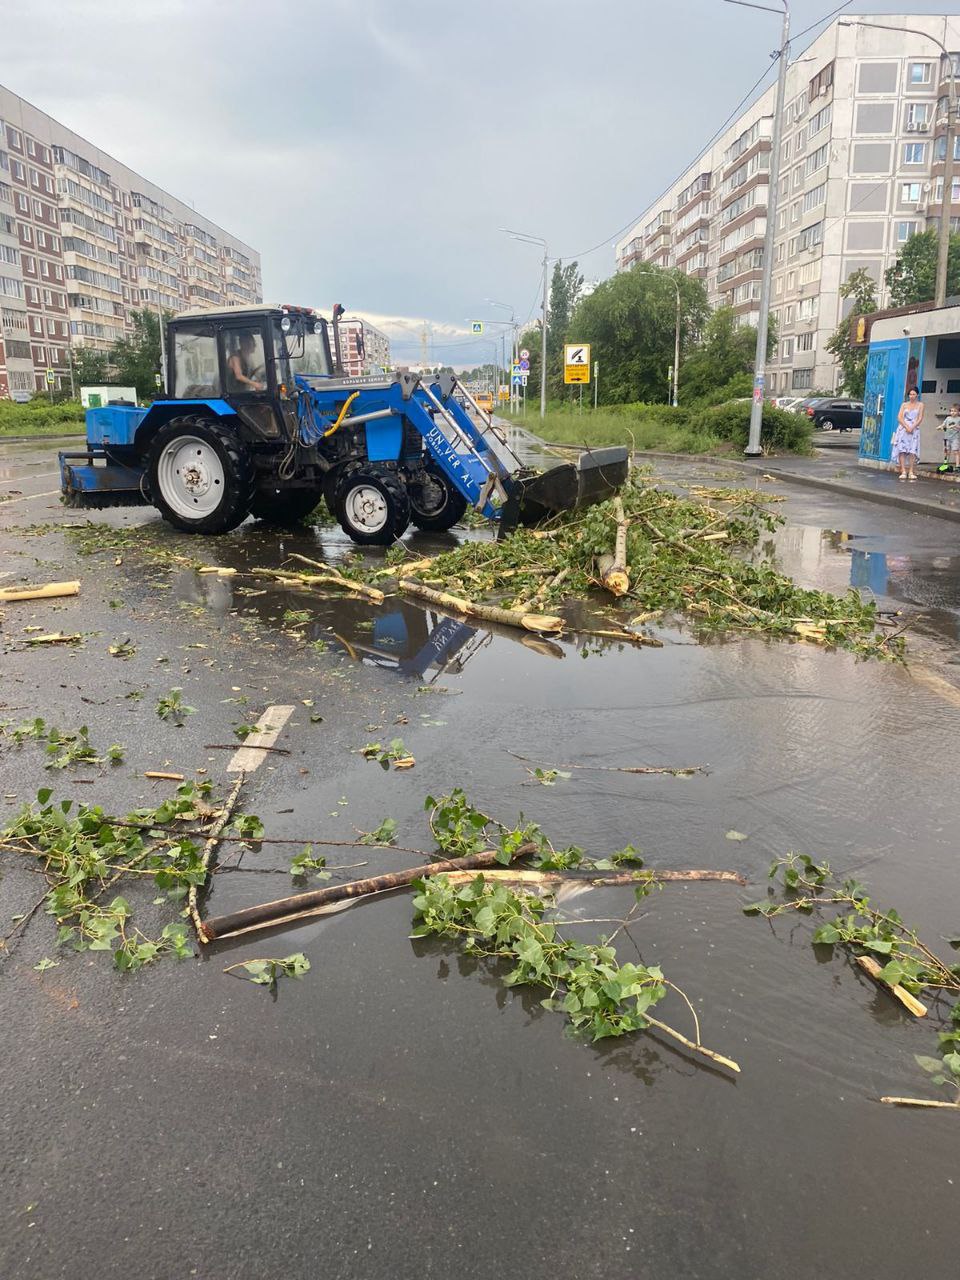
243	365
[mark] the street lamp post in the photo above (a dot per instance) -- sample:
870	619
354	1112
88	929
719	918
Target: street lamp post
519	235
943	250
753	449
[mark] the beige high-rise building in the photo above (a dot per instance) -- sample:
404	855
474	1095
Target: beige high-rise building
84	241
861	171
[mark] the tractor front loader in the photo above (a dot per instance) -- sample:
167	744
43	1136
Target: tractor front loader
261	420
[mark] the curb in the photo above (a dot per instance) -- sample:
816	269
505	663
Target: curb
854	491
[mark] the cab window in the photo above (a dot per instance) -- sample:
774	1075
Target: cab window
245	366
196	368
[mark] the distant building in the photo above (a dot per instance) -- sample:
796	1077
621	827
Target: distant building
363	347
84	241
861	171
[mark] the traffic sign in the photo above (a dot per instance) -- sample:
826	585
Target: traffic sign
517	369
517	380
524	364
51	377
523	379
576	362
524	354
476	326
158	380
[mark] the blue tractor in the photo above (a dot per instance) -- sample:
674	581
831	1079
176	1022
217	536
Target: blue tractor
260	420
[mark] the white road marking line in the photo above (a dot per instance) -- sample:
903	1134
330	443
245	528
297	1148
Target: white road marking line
29	498
267	731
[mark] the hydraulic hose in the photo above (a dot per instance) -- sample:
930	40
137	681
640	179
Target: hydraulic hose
343	413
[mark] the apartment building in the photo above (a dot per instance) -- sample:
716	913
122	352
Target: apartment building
363	347
861	171
84	241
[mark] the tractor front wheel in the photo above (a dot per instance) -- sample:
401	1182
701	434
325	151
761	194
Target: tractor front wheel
435	504
372	505
200	474
284	507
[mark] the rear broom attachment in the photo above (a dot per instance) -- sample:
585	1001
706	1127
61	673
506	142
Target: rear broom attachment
598	474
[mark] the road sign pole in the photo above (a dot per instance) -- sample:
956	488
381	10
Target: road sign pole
596	381
580	407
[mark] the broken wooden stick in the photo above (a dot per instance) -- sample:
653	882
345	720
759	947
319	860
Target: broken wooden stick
601	879
298	905
51	591
160	773
613	570
869	965
632	637
487	612
921	1102
55	637
330	574
211	843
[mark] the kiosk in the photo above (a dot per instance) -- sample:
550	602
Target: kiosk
913	347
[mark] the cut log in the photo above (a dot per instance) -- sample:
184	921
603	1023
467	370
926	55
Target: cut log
282	910
614	573
50	591
920	1102
541	622
869	965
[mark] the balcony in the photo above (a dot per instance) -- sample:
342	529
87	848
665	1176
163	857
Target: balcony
756	148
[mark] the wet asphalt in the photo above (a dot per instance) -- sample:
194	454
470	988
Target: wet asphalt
398	1112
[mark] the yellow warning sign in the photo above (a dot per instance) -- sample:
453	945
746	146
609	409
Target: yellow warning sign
576	362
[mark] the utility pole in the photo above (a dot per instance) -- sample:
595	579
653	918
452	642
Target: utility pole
943	248
753	449
521	235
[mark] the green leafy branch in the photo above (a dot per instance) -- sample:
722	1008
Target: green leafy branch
865	929
266	972
600	996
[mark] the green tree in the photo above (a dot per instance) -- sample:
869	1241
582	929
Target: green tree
912	278
715	369
565	289
89	367
629	320
136	359
862	288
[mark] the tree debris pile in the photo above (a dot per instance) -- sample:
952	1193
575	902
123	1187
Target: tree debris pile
682	556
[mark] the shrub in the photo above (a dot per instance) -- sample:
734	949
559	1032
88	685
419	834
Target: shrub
779	429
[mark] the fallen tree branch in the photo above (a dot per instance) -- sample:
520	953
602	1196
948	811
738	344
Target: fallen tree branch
283	910
600	879
488	612
677	770
235	746
921	1102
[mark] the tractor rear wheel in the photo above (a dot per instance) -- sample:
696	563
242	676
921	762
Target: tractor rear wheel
372	505
201	477
284	507
435	503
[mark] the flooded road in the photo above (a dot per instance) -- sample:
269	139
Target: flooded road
400	1113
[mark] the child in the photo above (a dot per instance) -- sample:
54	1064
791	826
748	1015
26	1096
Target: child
951	438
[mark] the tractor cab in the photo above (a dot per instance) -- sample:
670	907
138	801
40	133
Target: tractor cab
246	356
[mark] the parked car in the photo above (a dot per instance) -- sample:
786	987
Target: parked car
844	415
788	403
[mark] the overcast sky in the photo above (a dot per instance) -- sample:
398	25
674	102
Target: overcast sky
371	149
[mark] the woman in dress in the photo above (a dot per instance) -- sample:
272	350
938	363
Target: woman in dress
906	440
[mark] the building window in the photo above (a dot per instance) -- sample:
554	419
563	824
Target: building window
802	379
29	264
806	341
787	315
18	171
919	72
905	230
940	148
954	193
791	281
31	147
798	176
910	192
786	349
914	153
16	141
918	115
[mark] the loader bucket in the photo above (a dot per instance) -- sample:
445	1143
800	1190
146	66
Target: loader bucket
597	475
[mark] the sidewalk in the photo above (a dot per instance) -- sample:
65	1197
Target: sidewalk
929	496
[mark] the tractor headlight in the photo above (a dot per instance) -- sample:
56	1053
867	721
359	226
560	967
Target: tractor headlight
318	327
285	324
